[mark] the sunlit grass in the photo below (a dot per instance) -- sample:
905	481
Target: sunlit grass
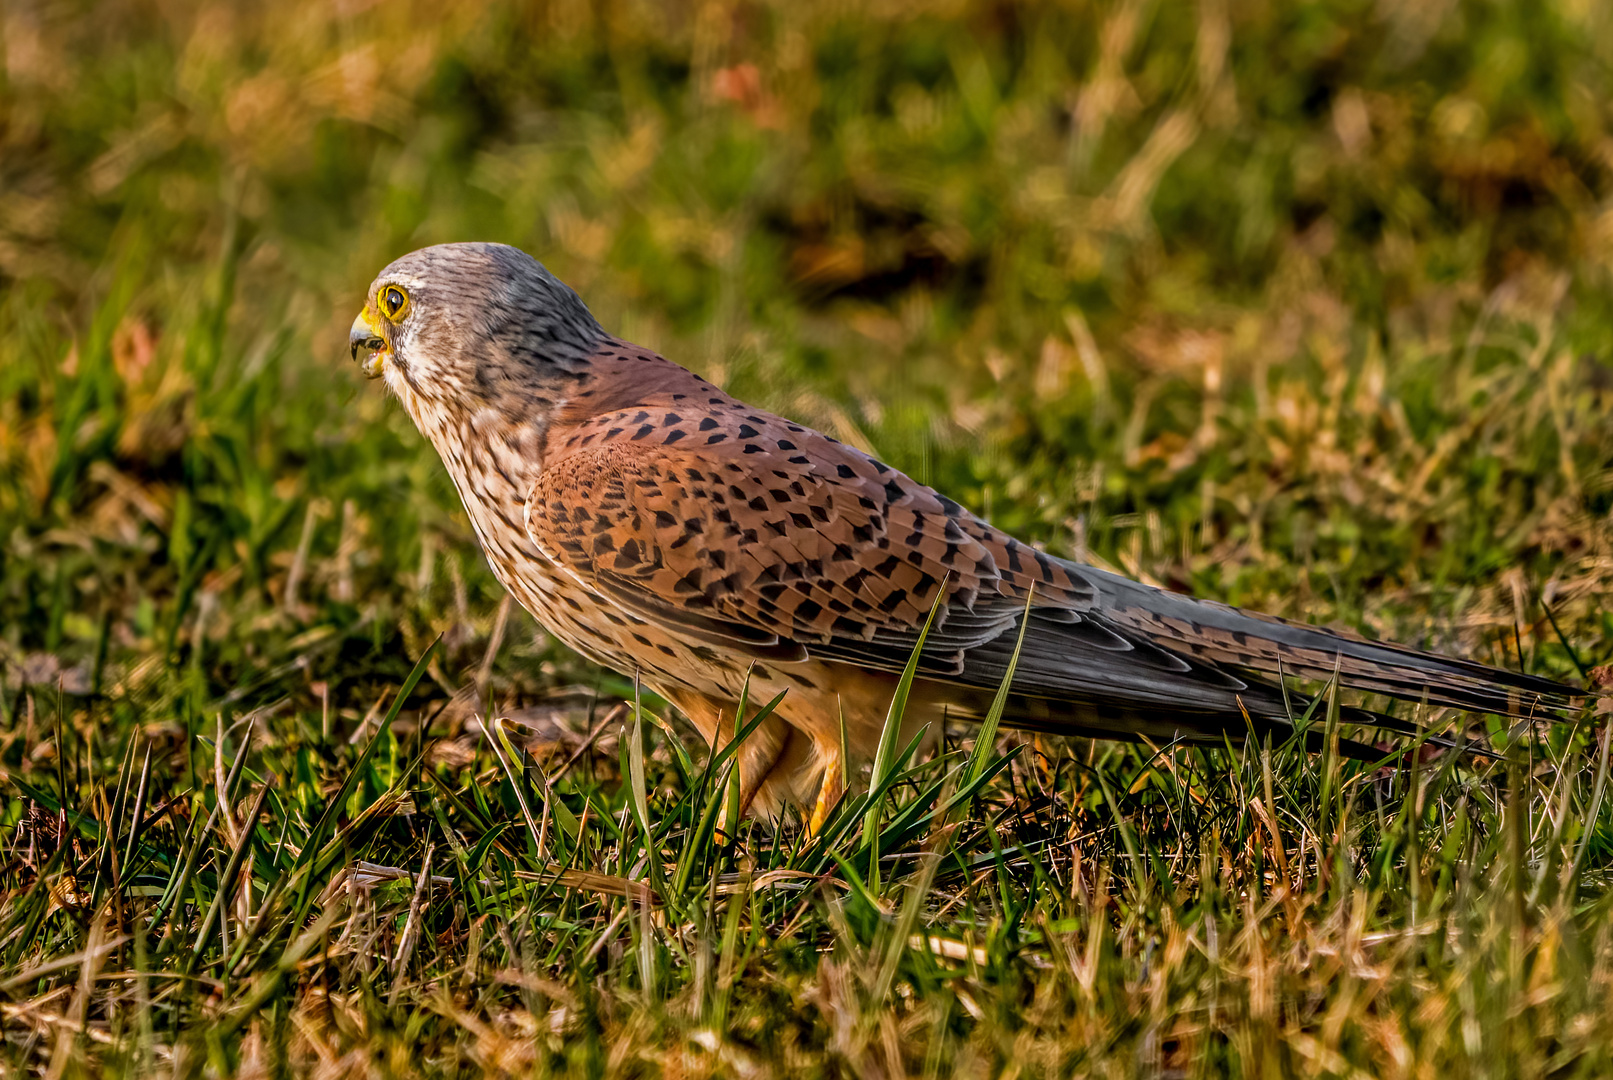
1303	307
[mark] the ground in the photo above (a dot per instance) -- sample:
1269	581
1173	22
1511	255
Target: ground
1304	306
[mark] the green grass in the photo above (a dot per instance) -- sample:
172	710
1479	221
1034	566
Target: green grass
1305	306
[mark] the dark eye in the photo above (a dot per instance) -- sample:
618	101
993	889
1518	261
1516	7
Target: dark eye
394	300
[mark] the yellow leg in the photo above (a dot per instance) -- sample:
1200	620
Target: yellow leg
715	720
829	792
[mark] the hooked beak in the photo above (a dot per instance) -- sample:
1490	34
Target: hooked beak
364	337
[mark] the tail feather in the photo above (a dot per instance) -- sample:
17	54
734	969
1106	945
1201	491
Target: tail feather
1219	634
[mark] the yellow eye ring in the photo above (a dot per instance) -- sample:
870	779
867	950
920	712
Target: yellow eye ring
394	302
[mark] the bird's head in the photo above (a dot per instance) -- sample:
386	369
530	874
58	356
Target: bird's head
456	329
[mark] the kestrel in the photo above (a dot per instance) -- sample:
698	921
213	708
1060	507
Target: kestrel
669	531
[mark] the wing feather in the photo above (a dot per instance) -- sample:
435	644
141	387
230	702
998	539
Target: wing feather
740	528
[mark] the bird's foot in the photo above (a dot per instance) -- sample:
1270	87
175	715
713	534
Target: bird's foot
829	793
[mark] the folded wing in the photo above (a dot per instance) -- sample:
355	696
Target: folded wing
751	532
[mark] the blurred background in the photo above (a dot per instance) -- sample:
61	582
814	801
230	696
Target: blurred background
1303	305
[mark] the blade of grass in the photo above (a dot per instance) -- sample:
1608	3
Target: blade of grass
226	881
888	736
986	737
178	885
316	835
506	754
